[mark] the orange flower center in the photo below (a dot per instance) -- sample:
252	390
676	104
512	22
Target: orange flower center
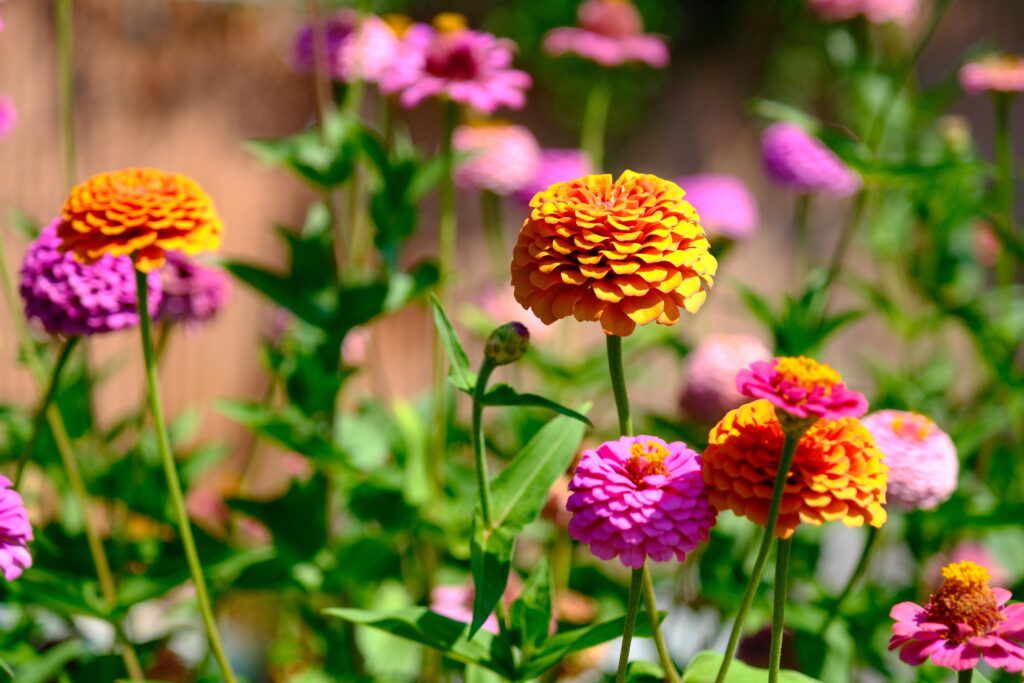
399	23
449	22
912	426
647	458
807	373
964	598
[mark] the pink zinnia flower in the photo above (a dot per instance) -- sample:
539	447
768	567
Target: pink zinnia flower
995	73
794	159
193	293
726	206
555	166
497	156
711	371
964	622
469	67
640	497
8	116
876	11
358	48
15	532
802	387
922	460
610	33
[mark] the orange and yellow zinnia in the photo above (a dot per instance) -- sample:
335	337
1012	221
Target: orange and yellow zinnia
138	212
837	471
626	252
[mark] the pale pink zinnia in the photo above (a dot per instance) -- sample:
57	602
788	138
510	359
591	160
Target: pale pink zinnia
611	32
802	387
797	160
496	156
8	116
995	73
922	460
876	11
638	498
711	370
357	48
555	166
501	306
965	621
725	205
15	532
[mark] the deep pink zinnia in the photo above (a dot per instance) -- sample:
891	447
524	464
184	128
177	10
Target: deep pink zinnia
640	497
802	387
964	622
610	33
726	206
795	159
15	532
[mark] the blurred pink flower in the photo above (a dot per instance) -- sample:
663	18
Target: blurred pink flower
8	116
356	346
966	551
456	602
555	166
725	204
802	387
193	293
795	159
995	73
876	11
711	370
357	48
497	156
610	33
501	306
15	532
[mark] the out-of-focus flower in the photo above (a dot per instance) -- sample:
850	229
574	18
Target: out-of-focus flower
498	156
876	11
796	160
357	48
450	60
456	602
501	305
725	205
625	253
966	551
507	343
611	33
70	298
574	607
837	472
711	370
995	73
802	387
555	166
8	116
356	346
138	212
554	508
638	498
922	460
15	532
192	292
965	621
956	134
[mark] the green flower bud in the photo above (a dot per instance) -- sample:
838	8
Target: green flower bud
507	343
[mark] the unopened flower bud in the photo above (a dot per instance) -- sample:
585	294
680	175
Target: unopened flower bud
956	134
507	343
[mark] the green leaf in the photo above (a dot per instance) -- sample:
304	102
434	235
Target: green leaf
323	159
490	563
288	428
49	664
559	646
531	613
460	375
704	669
282	291
421	625
298	519
504	395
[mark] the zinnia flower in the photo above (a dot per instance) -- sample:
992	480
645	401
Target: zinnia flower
469	67
456	602
192	293
139	212
964	622
802	387
497	156
876	11
555	166
610	33
837	472
15	532
8	116
70	298
995	73
624	253
357	48
922	460
796	160
640	497
966	551
725	206
711	370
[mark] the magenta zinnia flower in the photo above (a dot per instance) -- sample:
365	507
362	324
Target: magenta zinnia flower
469	67
8	116
640	497
711	371
876	11
795	159
15	532
71	298
356	48
802	387
922	460
555	166
964	622
192	292
725	205
610	33
996	73
497	156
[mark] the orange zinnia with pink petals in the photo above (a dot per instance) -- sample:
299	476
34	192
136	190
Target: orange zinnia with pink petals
625	253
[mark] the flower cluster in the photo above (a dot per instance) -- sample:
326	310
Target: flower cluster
796	160
15	532
498	156
725	205
610	33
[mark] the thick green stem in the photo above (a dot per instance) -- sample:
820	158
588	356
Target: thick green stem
173	483
494	230
785	548
66	85
595	121
614	344
1006	268
632	607
965	676
858	573
785	461
651	605
479	448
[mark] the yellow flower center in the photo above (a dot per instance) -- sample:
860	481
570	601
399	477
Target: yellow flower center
646	458
399	23
964	598
912	426
807	372
450	22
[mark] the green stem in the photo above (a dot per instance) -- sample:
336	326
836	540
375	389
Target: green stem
1006	267
479	450
651	605
835	265
595	121
964	676
447	227
66	88
614	345
785	548
785	461
858	573
494	229
173	483
801	226
632	607
51	391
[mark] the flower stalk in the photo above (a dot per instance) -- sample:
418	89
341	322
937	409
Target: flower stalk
632	607
595	122
494	230
1006	268
785	547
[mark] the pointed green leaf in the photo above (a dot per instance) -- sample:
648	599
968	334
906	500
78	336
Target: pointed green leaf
704	669
504	395
460	375
531	613
490	563
561	645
